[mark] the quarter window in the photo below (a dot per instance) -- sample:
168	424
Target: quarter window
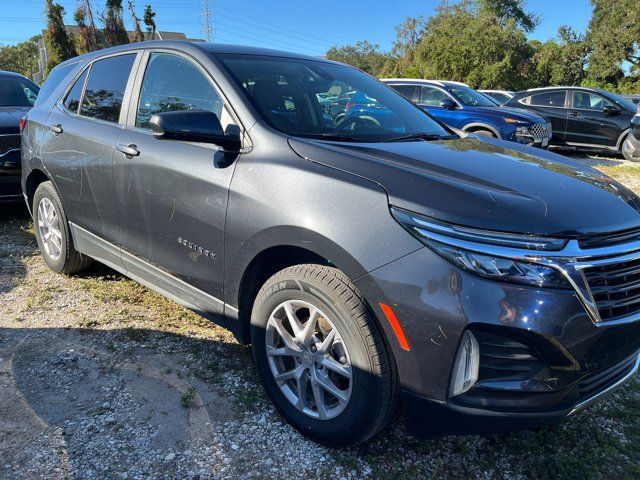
549	99
431	96
589	101
173	83
72	102
105	87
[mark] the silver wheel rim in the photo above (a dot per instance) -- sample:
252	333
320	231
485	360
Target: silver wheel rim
49	229
309	359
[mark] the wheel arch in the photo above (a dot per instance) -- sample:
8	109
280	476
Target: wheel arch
475	126
33	180
622	138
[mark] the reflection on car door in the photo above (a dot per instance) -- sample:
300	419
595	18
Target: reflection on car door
430	99
587	124
172	195
79	141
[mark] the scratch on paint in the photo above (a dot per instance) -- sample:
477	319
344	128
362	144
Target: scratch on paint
174	210
442	332
439	344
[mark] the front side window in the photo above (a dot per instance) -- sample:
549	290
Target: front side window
72	101
549	99
589	101
105	87
17	92
469	97
431	96
173	83
290	95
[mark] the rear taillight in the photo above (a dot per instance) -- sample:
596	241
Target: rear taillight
22	123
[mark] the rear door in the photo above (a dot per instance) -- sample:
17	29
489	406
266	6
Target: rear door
551	104
79	141
172	195
587	123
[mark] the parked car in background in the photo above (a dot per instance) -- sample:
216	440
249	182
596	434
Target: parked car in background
17	96
501	96
631	146
581	117
459	106
473	282
633	98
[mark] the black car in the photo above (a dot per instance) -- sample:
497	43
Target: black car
380	261
17	95
581	117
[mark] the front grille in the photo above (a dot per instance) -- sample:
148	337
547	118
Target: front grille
599	381
615	288
609	239
8	143
541	130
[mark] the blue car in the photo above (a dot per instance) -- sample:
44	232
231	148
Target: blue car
460	106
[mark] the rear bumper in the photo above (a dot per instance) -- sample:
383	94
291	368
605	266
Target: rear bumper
10	172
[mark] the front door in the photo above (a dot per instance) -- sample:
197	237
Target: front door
587	124
172	195
430	99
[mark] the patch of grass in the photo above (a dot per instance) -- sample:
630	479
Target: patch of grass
188	396
248	398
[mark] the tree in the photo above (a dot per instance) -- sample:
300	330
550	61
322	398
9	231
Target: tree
21	58
401	62
560	61
505	11
614	37
363	55
114	31
138	36
149	21
484	54
83	42
58	44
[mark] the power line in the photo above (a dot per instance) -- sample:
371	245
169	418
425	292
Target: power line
207	30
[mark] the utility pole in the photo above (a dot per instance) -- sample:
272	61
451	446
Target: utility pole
207	28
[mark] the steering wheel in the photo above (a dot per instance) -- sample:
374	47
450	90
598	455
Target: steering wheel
351	123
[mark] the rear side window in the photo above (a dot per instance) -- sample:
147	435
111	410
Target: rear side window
173	83
72	102
56	76
548	99
105	87
404	90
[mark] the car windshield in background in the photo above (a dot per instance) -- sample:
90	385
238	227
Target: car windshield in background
469	97
621	101
314	99
17	92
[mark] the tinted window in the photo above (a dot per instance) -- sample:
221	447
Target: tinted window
469	97
54	80
589	101
72	102
105	87
549	99
431	96
17	91
284	91
405	90
173	83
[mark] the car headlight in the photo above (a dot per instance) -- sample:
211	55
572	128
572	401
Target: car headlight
455	244
524	131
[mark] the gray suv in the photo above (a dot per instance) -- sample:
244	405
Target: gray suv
374	258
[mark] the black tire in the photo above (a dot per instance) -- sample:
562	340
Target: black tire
70	260
374	394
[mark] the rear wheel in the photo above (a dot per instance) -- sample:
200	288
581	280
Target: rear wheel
321	356
628	151
52	232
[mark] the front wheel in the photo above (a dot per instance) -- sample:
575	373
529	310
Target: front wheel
321	356
628	151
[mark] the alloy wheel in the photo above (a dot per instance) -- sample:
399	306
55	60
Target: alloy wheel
49	229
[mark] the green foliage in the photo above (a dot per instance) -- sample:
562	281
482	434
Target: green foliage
59	46
509	11
138	36
363	55
21	58
114	31
149	21
560	61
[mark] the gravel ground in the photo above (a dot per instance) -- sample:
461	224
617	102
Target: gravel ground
101	378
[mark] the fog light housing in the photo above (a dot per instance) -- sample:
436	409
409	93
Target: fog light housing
466	366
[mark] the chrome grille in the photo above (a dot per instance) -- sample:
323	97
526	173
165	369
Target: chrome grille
9	142
541	130
615	288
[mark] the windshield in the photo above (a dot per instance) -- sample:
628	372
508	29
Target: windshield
17	92
316	99
469	97
621	101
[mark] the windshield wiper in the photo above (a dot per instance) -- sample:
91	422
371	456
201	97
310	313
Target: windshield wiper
419	136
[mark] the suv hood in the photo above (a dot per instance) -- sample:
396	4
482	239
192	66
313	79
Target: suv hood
485	184
10	119
516	113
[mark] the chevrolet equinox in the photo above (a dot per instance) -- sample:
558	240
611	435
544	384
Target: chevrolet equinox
374	261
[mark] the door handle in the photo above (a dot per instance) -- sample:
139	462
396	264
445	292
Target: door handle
575	114
56	129
128	150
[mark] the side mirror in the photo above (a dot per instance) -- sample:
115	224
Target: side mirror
448	104
194	126
610	110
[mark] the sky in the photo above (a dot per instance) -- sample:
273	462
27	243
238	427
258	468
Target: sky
303	26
